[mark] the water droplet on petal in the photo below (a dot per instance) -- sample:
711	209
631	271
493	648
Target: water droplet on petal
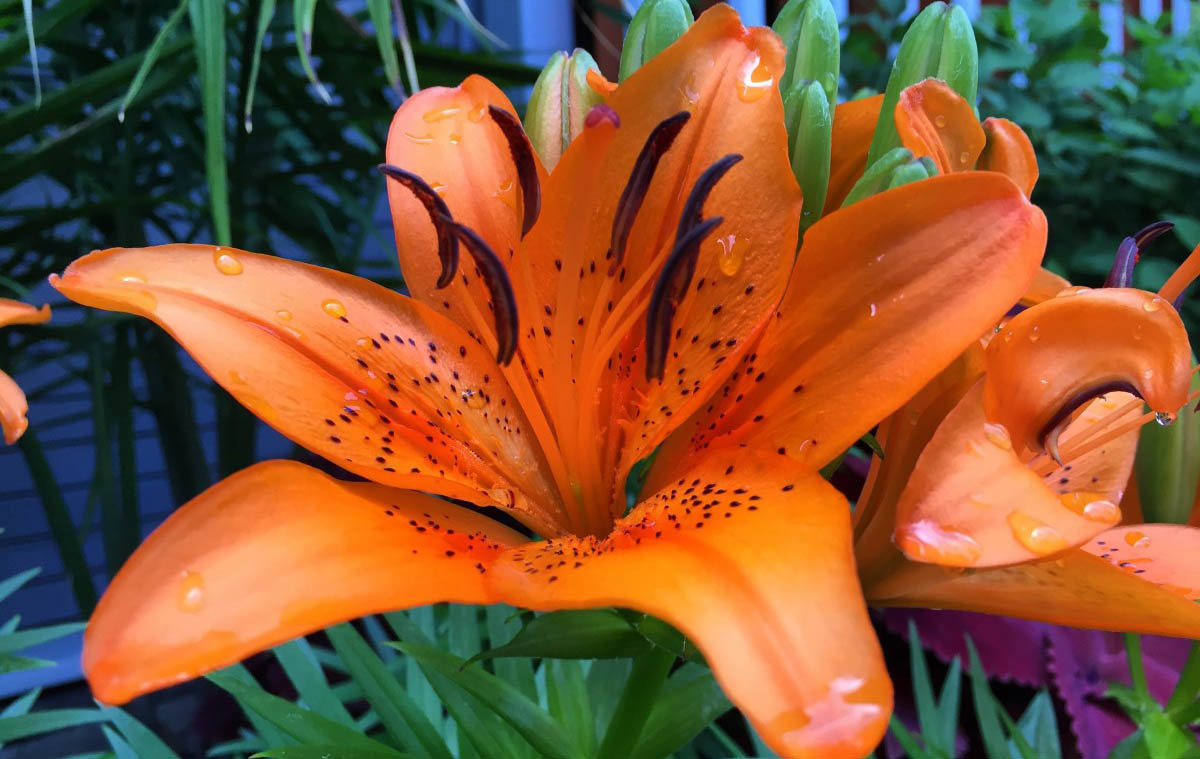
226	263
439	188
438	114
1164	418
1094	506
1033	334
690	88
1137	539
873	309
733	252
964	158
755	80
1036	535
934	543
362	342
284	314
477	113
334	308
189	595
1153	303
474	398
997	435
940	120
420	139
132	279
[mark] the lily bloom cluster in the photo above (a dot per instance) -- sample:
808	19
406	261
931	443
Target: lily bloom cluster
647	294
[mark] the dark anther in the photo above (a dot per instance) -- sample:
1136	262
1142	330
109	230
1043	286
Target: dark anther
1130	250
522	156
694	206
657	144
1053	428
499	288
669	290
439	214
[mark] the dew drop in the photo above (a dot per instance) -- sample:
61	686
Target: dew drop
1137	539
420	139
454	138
474	399
1163	418
940	120
189	595
226	263
931	542
1035	535
733	252
690	88
873	309
439	188
997	435
362	342
132	279
334	308
439	114
284	315
507	194
1033	334
755	81
964	158
1152	304
477	113
1094	506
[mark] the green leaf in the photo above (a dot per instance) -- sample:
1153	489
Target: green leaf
121	749
583	634
922	688
1189	682
140	738
48	721
208	26
20	705
503	624
381	19
297	659
298	724
534	725
19	641
690	701
1164	739
265	13
907	740
17	581
948	705
568	701
11	663
151	56
986	708
396	710
332	751
303	12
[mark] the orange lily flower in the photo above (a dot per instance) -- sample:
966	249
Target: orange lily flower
13	405
646	293
1008	469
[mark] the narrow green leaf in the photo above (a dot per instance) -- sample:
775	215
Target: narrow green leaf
568	702
638	697
17	581
406	49
18	641
142	739
265	13
48	721
1165	739
328	752
397	711
927	712
948	706
1137	667
604	681
151	56
11	663
303	12
534	725
1185	689
104	475
907	740
503	624
1040	726
296	723
121	749
208	26
27	9
381	19
302	669
582	634
994	742
690	701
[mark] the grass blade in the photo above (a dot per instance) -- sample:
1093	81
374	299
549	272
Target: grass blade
265	13
297	659
27	9
303	12
208	26
151	56
381	18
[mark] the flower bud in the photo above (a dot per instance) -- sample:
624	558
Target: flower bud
560	101
1168	466
809	29
939	43
655	25
894	168
809	121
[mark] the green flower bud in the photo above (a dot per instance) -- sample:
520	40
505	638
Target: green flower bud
894	168
1168	466
809	29
655	25
939	43
560	101
809	121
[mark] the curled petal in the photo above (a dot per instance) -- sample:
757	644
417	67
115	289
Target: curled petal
1051	359
16	312
755	565
853	128
1009	152
272	552
935	121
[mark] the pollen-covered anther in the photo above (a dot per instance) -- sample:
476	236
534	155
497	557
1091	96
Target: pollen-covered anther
439	214
522	156
657	144
499	286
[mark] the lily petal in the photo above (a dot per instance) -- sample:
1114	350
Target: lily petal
16	312
374	381
1050	359
1009	152
853	127
934	264
272	552
1046	285
935	121
755	567
971	502
1078	589
13	405
446	136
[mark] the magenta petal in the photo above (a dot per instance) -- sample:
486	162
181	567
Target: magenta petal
1010	649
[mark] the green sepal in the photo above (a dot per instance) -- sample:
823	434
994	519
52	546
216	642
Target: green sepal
809	121
1168	466
655	25
809	29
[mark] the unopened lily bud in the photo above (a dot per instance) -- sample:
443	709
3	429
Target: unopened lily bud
560	101
939	43
1168	466
809	29
655	25
810	136
896	167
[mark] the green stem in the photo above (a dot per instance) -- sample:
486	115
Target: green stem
1137	669
110	514
1189	682
645	682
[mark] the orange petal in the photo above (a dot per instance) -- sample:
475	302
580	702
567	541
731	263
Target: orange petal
16	312
1054	356
1078	589
755	567
1046	285
588	319
935	121
272	552
13	408
1009	152
884	295
853	128
377	382
971	502
445	136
